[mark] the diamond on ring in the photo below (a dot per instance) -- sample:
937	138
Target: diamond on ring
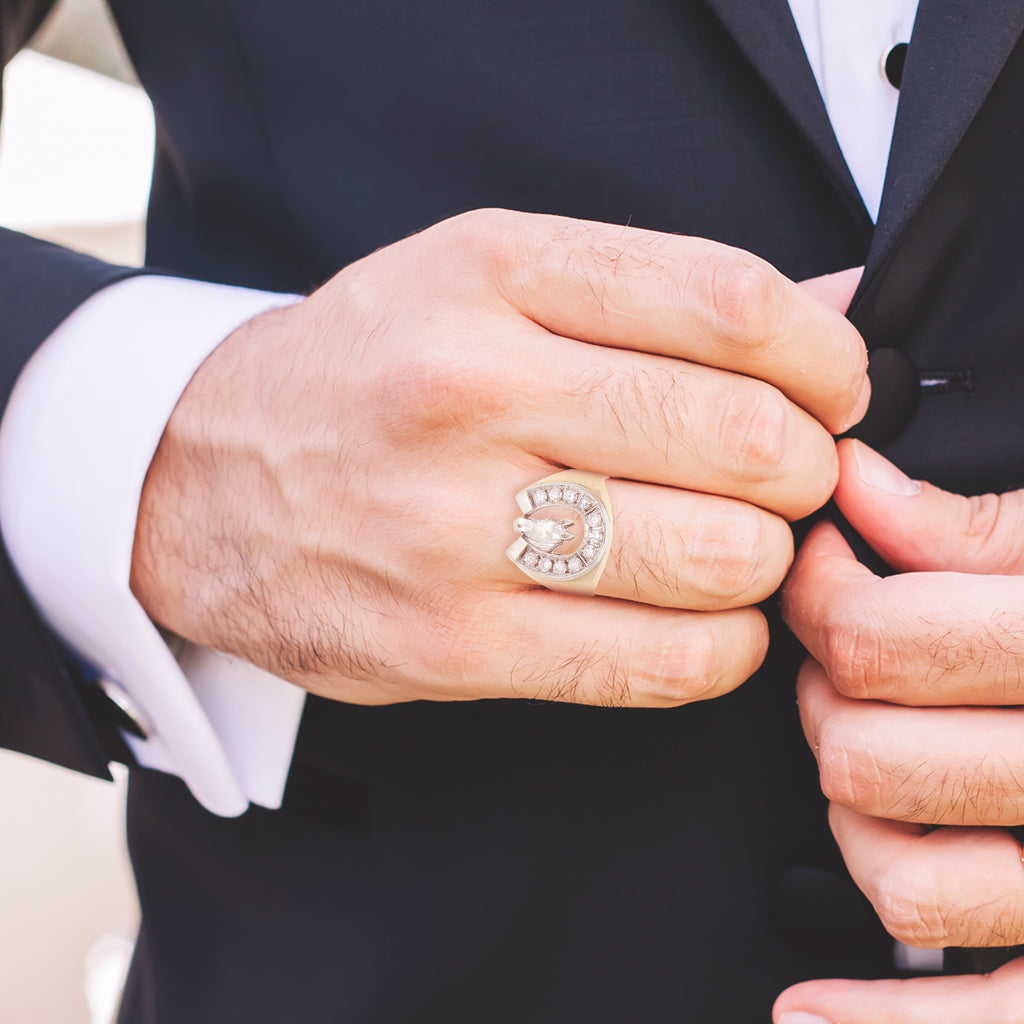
564	531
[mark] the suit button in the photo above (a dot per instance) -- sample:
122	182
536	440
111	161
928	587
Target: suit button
821	913
895	389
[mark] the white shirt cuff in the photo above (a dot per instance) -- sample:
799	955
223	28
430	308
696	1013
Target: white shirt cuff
76	441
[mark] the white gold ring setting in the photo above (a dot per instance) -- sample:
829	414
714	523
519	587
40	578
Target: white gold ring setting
565	531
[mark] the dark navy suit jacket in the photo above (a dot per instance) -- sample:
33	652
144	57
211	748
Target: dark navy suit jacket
510	861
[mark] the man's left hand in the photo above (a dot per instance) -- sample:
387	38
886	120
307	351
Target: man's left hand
911	703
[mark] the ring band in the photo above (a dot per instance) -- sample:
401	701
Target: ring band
565	531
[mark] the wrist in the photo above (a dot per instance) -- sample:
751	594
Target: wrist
188	564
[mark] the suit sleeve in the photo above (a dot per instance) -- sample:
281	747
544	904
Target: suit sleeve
76	442
47	708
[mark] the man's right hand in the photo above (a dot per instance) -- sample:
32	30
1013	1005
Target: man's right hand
334	492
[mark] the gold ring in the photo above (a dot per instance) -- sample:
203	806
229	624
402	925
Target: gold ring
565	531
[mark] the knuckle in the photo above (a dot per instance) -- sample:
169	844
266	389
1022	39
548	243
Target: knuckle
813	468
752	428
985	519
909	911
443	387
845	364
426	393
744	299
857	659
732	560
981	515
847	777
534	251
485	238
678	672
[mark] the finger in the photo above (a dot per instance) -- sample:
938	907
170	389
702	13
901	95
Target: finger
916	638
834	290
915	526
687	298
670	422
949	887
940	766
997	998
679	549
583	650
676	549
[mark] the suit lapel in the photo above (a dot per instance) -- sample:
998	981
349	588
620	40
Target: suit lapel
957	51
766	33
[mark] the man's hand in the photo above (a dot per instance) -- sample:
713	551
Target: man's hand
911	703
990	999
334	493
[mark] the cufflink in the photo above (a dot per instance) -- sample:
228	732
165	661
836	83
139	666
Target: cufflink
127	715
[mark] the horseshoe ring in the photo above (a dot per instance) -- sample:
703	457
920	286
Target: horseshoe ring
565	531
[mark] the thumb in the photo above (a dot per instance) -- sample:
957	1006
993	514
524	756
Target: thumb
972	999
834	290
917	527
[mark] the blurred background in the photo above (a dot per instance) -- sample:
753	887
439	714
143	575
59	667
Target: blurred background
76	145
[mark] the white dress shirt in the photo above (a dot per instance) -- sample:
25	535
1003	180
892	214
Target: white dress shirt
90	406
846	44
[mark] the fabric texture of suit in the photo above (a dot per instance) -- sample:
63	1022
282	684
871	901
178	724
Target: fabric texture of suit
511	861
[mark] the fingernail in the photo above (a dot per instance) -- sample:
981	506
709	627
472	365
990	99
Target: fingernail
800	1017
879	473
862	404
